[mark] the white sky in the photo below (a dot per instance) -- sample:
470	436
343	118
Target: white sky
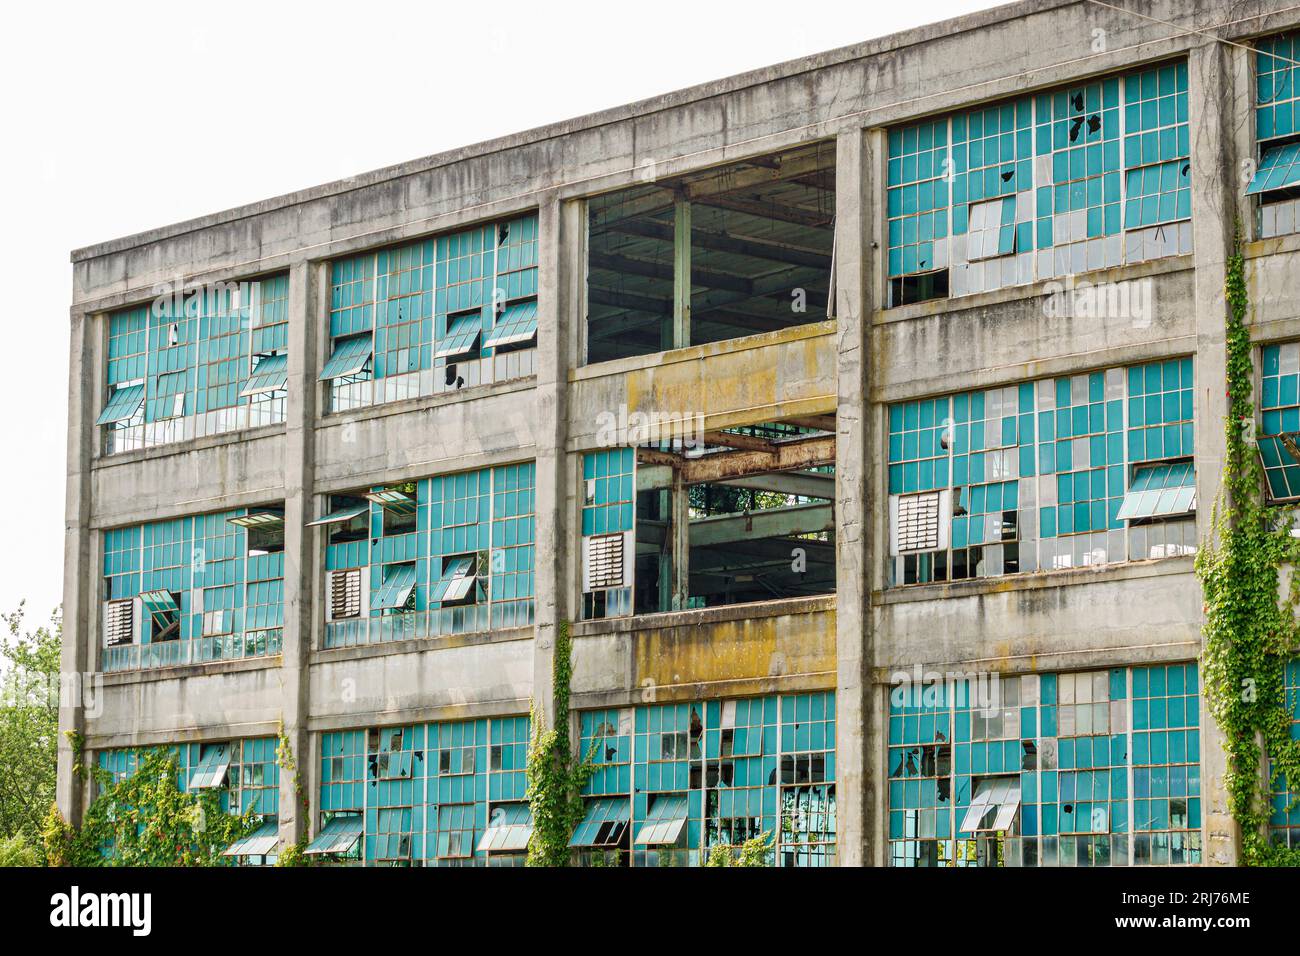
122	121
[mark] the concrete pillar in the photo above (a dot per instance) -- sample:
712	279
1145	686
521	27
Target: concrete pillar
679	537
79	592
556	322
1218	101
308	315
681	274
853	507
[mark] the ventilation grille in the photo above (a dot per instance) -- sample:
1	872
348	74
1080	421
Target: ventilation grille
604	561
119	623
345	594
918	522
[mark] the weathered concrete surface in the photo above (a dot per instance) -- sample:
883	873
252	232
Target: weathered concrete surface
758	378
737	651
388	683
1066	620
851	367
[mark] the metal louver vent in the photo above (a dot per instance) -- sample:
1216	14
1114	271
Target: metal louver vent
119	623
918	522
345	594
605	561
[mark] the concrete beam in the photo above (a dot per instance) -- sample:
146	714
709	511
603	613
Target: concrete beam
720	466
725	529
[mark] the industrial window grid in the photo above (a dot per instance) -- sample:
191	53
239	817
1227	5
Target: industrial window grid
485	516
192	354
1038	471
1091	176
441	779
1081	799
250	785
1284	819
399	299
1279	428
745	766
425	791
229	604
608	507
1277	128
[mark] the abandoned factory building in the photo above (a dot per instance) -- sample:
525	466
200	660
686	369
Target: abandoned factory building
855	421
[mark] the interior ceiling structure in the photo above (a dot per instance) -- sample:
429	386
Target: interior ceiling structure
745	549
760	229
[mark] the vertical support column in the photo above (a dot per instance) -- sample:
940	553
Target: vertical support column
559	256
78	588
854	797
679	531
307	316
681	274
1214	204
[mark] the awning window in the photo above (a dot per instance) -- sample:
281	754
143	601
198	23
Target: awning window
1280	455
258	519
393	500
606	820
338	836
161	606
1159	491
462	335
349	357
271	374
456	580
399	580
122	404
211	771
664	823
518	323
340	516
509	827
993	807
1279	168
260	842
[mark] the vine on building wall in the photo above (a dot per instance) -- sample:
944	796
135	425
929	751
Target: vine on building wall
293	854
1250	624
146	819
555	776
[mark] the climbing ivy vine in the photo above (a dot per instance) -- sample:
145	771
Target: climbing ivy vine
1250	606
555	776
146	819
293	855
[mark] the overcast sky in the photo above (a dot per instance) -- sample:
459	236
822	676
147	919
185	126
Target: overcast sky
123	117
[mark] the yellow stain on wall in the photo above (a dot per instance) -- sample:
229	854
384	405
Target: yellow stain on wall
791	374
727	651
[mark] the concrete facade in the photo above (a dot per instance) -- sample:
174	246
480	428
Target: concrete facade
852	366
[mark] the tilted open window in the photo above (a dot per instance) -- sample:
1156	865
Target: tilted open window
214	761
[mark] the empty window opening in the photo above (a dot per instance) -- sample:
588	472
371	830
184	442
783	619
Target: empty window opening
712	255
748	517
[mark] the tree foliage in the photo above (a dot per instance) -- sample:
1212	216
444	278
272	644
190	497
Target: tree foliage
29	728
